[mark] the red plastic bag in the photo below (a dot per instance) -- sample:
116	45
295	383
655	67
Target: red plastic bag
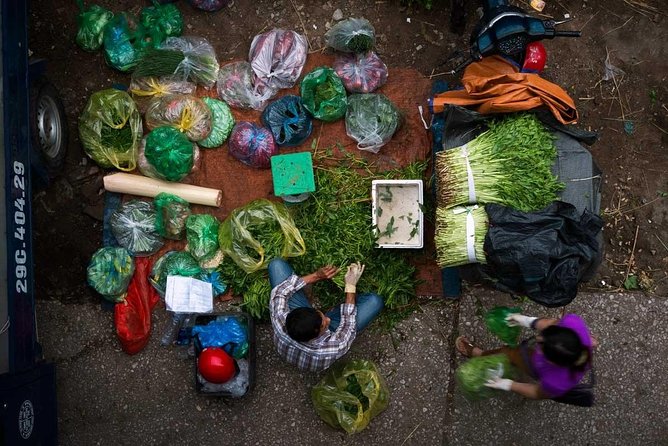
133	317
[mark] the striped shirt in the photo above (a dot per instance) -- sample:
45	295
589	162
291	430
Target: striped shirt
319	353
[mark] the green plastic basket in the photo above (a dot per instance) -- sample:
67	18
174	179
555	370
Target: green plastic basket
292	174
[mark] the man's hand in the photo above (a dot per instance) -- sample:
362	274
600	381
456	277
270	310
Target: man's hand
516	319
326	272
353	275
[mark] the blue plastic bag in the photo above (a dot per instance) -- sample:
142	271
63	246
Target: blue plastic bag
288	121
225	332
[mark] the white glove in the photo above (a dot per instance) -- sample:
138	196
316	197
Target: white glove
499	383
353	274
516	319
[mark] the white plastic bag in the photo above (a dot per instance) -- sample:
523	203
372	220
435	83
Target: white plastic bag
236	87
278	57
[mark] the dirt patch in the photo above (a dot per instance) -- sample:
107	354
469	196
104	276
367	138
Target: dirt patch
628	111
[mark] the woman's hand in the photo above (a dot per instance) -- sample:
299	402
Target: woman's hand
499	383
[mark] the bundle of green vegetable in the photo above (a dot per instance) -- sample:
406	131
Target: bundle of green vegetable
495	319
351	36
509	164
371	120
171	213
110	271
460	234
474	373
173	263
91	23
323	94
202	236
335	223
186	58
110	128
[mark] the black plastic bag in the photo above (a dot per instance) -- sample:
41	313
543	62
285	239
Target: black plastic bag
288	121
542	255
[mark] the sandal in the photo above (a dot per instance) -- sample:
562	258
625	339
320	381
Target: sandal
464	346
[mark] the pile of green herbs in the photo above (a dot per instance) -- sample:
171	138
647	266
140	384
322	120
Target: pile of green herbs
510	165
336	225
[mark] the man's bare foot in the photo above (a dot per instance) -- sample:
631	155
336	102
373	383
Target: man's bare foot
465	347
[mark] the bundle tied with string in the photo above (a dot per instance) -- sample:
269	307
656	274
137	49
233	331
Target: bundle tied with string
144	89
371	120
187	114
460	235
509	164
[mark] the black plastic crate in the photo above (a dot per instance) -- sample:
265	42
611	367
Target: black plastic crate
244	319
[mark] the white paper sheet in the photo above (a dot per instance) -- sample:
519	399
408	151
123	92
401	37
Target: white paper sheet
188	295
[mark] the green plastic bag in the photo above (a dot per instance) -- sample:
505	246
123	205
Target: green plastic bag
173	263
91	24
202	236
118	38
350	395
171	213
164	20
371	120
324	95
110	271
222	122
474	373
495	319
254	234
169	152
110	129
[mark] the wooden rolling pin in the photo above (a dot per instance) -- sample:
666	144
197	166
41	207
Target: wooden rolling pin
126	183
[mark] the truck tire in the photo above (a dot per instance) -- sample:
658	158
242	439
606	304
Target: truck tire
49	129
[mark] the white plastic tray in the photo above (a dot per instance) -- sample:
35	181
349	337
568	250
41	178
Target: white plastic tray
397	213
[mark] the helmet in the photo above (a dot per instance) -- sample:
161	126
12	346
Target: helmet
534	58
216	366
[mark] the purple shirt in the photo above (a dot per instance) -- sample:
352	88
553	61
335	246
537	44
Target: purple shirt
556	380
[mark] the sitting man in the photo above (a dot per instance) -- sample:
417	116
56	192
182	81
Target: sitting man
306	337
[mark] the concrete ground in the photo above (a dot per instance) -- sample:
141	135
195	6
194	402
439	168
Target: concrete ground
106	397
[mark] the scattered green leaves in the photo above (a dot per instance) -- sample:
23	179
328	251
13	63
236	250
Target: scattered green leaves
631	283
